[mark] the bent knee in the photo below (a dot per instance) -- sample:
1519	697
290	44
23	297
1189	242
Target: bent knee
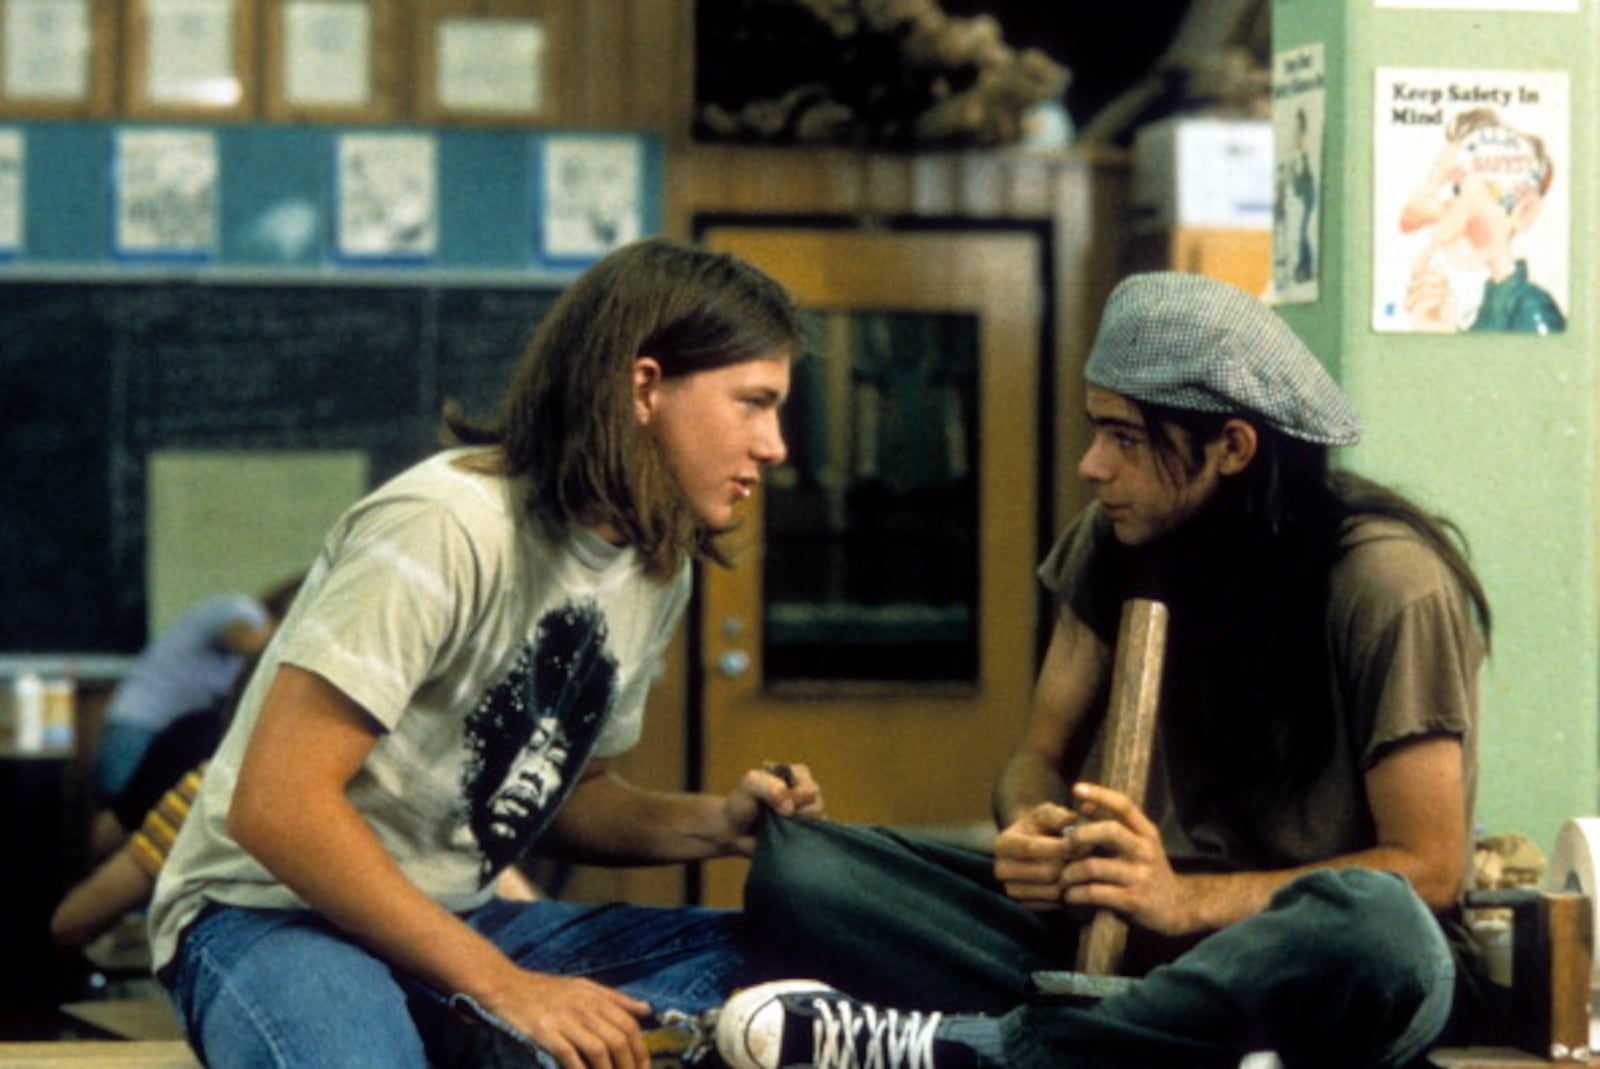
1380	922
786	873
1374	957
802	866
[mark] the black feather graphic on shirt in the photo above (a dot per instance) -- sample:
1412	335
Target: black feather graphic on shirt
533	731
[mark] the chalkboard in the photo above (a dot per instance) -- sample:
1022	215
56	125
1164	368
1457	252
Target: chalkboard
94	375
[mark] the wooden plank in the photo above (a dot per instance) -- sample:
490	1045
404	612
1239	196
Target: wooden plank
128	1018
1130	737
1551	951
1492	1058
111	1053
658	76
1569	935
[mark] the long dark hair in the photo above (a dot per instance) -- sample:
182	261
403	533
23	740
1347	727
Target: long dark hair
567	423
1291	491
1253	571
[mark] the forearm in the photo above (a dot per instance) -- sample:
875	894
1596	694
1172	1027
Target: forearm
1416	799
1061	727
1028	779
609	821
1214	901
343	872
100	901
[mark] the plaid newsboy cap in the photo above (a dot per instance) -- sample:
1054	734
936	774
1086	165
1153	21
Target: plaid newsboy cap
1192	342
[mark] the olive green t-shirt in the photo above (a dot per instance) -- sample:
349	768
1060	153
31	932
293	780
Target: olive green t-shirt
1401	662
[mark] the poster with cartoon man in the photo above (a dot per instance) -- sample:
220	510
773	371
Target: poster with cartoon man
1471	231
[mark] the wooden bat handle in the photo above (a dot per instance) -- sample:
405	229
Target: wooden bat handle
1130	739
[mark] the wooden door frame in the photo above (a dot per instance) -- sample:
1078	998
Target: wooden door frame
1041	232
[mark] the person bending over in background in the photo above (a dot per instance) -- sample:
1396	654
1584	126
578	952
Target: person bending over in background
472	646
174	751
144	820
1295	881
189	668
130	838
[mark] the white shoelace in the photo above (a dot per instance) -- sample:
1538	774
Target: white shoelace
889	1039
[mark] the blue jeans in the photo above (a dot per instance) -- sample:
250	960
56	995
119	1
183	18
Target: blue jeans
263	987
1345	969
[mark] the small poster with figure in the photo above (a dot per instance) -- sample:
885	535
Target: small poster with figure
388	198
1299	92
591	195
1471	230
167	191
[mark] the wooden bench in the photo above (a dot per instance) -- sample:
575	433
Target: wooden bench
91	1053
1494	1058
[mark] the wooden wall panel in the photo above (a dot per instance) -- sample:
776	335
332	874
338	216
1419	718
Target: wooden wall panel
598	82
658	72
619	64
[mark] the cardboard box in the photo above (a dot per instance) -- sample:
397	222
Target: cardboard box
1231	254
1203	173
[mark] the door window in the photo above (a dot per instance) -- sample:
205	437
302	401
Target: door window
871	565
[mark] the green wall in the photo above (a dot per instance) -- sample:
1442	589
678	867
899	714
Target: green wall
1495	430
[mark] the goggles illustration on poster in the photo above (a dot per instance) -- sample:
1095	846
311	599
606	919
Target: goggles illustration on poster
1471	229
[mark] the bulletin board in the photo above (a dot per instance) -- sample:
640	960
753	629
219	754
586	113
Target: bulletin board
273	332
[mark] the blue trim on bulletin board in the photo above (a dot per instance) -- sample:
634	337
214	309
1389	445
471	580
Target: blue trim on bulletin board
277	189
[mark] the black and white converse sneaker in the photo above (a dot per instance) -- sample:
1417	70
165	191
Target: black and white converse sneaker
791	1023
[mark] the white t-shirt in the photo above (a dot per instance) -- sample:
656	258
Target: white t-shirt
497	661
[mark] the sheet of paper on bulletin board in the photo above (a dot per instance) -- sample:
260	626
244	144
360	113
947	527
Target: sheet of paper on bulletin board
388	196
335	61
190	59
13	191
167	199
591	193
489	61
56	58
1299	106
237	521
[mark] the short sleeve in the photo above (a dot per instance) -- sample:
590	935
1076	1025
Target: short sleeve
1405	637
1082	574
403	592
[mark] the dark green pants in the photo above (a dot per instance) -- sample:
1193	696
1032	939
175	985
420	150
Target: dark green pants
1345	969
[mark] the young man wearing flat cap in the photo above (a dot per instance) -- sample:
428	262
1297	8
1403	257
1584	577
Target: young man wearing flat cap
1293	883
